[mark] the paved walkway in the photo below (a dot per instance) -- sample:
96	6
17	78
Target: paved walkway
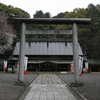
49	87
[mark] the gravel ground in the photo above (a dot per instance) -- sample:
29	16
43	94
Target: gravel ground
9	91
91	88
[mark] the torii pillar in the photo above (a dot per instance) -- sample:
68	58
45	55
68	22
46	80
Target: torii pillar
76	81
21	57
22	53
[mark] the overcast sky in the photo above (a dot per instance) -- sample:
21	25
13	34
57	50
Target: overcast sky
52	6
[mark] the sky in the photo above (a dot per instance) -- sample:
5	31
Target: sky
52	6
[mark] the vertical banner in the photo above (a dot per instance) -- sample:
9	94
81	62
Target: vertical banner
17	66
25	65
80	65
5	65
71	68
86	66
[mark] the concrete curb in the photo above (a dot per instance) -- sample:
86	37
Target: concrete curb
32	80
72	88
26	89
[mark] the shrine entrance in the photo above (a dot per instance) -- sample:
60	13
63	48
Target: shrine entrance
72	21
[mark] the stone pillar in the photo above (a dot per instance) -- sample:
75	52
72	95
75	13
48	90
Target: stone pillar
76	81
22	54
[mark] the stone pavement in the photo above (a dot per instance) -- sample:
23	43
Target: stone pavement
49	87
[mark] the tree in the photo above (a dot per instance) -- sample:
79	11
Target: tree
6	34
92	37
77	13
47	15
61	15
13	12
98	7
39	14
94	14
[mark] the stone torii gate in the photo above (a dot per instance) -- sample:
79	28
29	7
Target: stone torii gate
72	21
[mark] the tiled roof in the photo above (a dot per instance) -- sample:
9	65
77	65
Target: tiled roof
47	48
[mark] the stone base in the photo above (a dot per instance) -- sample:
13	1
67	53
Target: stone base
21	83
77	84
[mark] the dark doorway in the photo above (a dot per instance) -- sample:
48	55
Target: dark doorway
95	68
32	67
63	67
47	66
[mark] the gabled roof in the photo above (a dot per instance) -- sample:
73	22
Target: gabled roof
47	48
